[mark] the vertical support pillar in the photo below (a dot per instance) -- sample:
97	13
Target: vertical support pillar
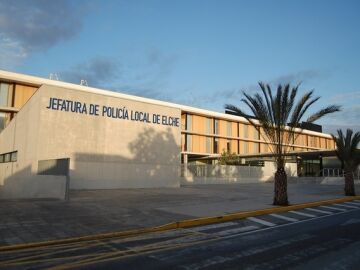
185	164
321	165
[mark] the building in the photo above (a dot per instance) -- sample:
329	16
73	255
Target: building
57	136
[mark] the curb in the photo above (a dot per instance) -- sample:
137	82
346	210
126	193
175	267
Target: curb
177	225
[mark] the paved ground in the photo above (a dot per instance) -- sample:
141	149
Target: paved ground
325	237
91	212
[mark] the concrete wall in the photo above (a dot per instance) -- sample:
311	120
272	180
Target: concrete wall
104	152
223	174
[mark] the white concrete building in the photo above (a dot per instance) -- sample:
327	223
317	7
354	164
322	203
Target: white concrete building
57	135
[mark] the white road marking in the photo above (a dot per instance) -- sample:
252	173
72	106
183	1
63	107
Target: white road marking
302	214
214	226
353	203
346	205
284	217
333	208
237	230
319	211
261	221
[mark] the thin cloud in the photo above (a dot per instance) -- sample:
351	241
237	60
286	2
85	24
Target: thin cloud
229	95
147	78
332	129
142	92
304	76
346	97
11	52
98	72
347	118
36	25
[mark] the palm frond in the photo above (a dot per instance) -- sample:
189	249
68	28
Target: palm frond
275	110
346	148
321	113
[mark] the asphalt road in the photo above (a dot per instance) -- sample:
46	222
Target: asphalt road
325	237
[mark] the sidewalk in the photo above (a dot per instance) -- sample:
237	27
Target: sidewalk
100	211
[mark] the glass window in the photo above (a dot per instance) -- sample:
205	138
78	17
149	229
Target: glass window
4	94
216	126
246	131
7	157
256	148
2	121
228	129
246	147
14	156
1	158
228	146
256	134
216	145
188	143
208	145
188	122
208	126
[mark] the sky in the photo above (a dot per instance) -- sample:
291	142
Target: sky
197	53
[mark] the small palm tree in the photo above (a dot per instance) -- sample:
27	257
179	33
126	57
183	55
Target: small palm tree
348	154
279	115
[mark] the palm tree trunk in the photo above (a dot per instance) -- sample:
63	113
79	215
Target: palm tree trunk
349	184
280	196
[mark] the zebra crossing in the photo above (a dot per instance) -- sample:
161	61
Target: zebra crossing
276	219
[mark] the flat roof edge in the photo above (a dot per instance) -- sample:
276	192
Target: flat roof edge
33	80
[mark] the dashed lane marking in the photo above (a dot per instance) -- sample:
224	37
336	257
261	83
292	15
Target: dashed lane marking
333	208
348	206
261	221
353	203
319	211
284	217
302	214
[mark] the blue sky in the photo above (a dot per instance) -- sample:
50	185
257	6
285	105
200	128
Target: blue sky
199	53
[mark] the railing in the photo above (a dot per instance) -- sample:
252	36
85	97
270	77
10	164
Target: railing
336	172
222	171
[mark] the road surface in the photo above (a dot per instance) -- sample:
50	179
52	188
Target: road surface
325	237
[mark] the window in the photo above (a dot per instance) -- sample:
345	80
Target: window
246	131
8	157
4	94
228	146
13	156
188	143
208	126
228	129
208	145
2	120
216	126
256	134
256	148
216	145
188	122
246	147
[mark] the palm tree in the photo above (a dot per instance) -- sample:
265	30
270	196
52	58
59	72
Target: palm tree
279	116
346	150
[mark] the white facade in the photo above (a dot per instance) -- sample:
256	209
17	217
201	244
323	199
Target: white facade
105	151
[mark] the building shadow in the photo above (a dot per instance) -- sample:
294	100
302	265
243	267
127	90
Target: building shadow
152	160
